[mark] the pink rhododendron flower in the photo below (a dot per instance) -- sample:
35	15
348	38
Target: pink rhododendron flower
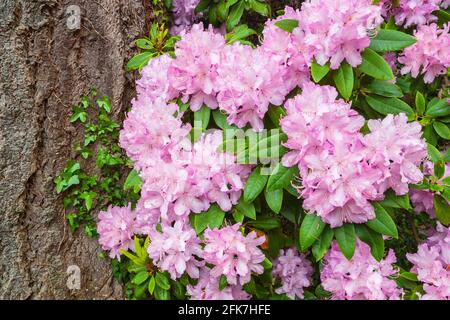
362	278
150	131
154	83
323	134
116	229
432	265
175	250
430	55
284	48
295	272
234	255
248	82
337	30
184	15
207	288
411	12
397	148
194	71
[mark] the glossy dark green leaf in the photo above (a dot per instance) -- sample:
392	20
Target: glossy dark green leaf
373	239
385	89
387	106
321	246
343	78
391	40
255	185
383	223
442	208
274	199
375	66
310	230
346	239
281	177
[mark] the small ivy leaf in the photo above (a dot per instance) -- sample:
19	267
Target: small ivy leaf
133	181
104	104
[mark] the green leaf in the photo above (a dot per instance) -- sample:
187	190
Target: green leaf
346	239
343	78
260	7
133	181
275	114
430	135
442	130
287	25
202	6
235	14
140	277
373	239
392	200
162	281
88	197
246	209
408	275
442	209
385	89
161	294
201	117
265	223
447	156
223	282
220	119
420	103
434	154
255	185
310	230
213	218
139	61
321	246
391	40
387	106
443	17
144	44
274	199
375	66
151	285
383	222
318	72
438	108
239	33
104	104
281	177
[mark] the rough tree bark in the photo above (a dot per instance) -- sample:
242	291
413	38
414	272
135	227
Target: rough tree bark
45	68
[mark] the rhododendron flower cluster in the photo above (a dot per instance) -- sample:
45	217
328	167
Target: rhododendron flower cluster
116	229
431	263
411	12
339	164
362	278
175	250
233	254
207	288
430	55
184	15
294	271
337	30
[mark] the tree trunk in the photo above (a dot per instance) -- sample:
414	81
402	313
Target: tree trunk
46	64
